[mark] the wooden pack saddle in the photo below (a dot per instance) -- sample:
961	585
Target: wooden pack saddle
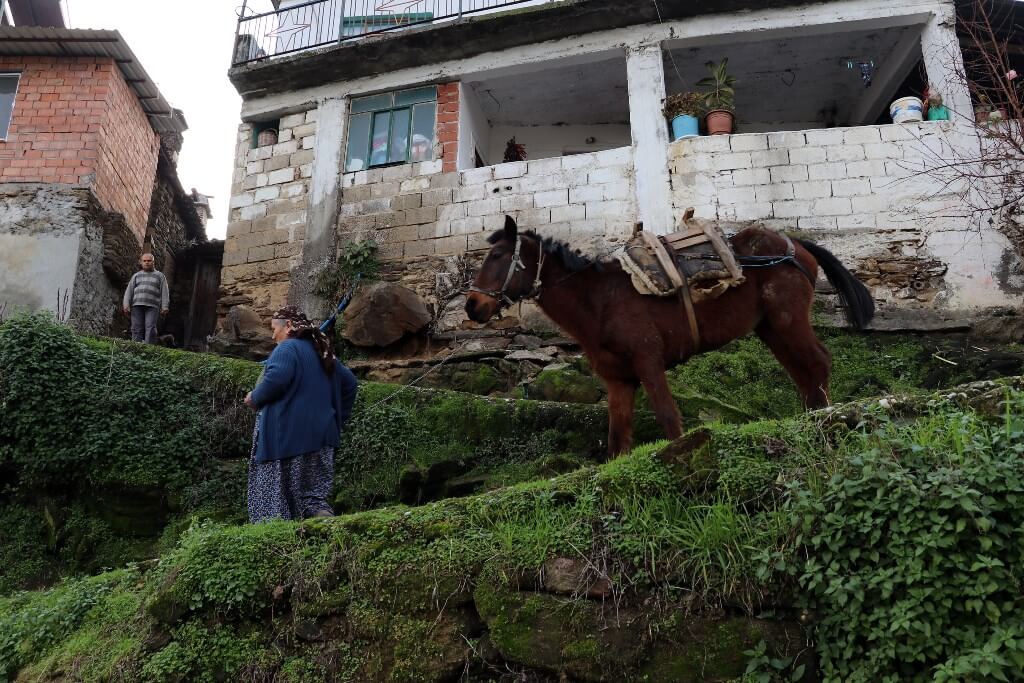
696	262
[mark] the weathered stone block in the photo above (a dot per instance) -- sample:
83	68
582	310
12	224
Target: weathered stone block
517	202
419	248
856	221
513	169
246	199
844	153
771	193
609	174
396	173
751	176
748	142
786	140
544	166
284	175
807	155
827	171
378	190
293	120
812	189
407	201
861	134
427	214
452	212
791	208
465	226
266	193
413	185
476	176
771	157
816	223
865	169
302	157
469	193
832	206
437	197
248	213
546	199
257	254
788	174
609	209
851	187
274	163
574	212
482	207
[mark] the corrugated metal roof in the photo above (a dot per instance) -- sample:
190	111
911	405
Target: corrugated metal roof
43	41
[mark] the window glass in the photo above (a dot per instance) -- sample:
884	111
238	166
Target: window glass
392	128
8	89
423	119
372	103
416	95
399	136
379	141
358	142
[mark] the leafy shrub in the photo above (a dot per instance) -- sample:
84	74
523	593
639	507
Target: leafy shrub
72	416
914	556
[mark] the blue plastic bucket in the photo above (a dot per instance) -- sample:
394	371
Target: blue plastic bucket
685	126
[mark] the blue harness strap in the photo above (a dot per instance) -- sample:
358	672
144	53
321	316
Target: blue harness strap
770	261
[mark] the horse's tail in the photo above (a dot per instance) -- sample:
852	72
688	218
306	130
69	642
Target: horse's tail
854	297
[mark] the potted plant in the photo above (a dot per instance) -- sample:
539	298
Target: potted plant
719	99
683	111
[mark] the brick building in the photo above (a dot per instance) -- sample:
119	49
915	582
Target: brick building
88	180
394	127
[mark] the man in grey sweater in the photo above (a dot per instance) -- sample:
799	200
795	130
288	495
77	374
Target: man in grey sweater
145	298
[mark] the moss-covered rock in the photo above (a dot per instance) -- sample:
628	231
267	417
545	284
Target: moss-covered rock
566	384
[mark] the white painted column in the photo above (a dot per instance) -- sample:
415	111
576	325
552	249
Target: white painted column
645	72
944	62
320	244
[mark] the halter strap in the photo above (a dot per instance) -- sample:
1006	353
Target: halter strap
516	264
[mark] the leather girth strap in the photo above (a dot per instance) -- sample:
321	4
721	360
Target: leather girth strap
691	316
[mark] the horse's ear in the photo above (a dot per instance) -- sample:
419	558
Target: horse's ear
511	228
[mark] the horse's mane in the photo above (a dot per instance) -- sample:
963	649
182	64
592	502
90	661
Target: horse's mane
573	260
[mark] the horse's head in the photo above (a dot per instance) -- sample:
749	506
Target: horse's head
508	274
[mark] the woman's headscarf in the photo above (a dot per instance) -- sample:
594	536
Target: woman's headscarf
303	328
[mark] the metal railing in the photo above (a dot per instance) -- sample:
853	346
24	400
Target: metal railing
322	22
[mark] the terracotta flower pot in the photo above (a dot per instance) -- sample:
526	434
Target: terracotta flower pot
718	122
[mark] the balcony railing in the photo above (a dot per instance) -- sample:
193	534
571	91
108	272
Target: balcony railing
322	22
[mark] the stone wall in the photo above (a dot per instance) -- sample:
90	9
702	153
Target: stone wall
859	191
415	210
51	255
268	215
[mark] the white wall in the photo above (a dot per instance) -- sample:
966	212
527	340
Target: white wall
474	131
36	268
546	142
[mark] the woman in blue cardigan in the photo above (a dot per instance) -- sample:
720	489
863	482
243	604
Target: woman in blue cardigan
303	401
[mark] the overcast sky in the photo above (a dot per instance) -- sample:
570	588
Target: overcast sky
185	46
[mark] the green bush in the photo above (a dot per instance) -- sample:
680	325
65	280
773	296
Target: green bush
72	416
915	555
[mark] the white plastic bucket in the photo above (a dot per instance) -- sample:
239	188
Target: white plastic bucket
906	110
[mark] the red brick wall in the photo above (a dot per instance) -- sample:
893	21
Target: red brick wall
76	121
129	149
448	124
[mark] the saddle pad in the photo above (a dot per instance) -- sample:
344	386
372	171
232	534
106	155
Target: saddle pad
703	260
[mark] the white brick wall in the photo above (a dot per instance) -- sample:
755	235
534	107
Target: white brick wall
830	179
586	199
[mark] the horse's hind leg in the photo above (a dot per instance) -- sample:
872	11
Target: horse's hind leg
805	358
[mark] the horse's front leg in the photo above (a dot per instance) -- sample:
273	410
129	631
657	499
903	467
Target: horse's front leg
666	412
620	416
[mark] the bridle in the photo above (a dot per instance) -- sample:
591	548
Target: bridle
517	264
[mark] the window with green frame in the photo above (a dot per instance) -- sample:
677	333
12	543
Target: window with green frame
392	128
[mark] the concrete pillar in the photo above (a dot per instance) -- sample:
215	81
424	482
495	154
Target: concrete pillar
319	248
645	72
944	62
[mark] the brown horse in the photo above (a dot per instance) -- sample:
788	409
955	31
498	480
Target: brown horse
631	339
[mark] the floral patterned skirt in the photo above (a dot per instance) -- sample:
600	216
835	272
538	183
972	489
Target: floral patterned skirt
293	488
